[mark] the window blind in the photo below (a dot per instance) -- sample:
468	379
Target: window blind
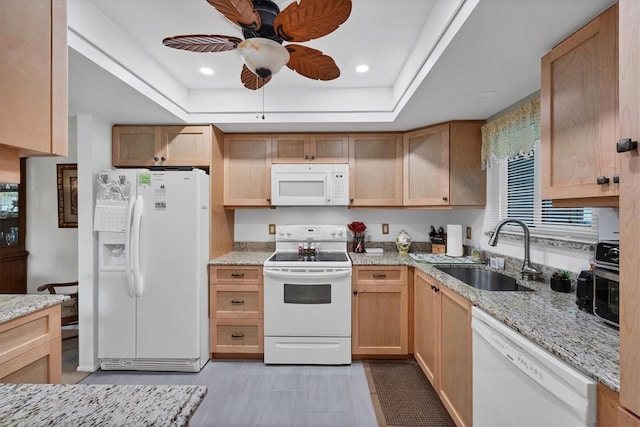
514	192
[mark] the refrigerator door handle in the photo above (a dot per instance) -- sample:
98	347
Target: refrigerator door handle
128	250
135	246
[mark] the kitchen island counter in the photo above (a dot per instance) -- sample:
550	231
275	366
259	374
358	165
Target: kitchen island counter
105	405
13	306
548	318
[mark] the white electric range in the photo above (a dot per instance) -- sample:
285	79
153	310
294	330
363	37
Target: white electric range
307	297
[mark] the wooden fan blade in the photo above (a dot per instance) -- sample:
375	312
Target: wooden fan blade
312	63
251	80
202	42
311	19
240	12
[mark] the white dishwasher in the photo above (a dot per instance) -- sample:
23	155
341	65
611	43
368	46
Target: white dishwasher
518	383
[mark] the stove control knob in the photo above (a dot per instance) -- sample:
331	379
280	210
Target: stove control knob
280	233
339	232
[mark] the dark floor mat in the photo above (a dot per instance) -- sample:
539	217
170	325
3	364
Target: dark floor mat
403	397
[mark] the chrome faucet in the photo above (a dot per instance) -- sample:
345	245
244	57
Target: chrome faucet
527	268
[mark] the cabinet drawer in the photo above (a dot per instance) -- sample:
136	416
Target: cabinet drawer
237	336
28	332
380	275
250	275
232	301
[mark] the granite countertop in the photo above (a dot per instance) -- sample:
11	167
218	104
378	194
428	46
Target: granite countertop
13	306
548	318
37	405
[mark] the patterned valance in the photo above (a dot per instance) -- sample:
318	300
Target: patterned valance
512	134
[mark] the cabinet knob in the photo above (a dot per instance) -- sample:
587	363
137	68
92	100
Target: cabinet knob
163	158
351	200
155	158
269	199
601	180
626	144
306	157
445	198
313	157
355	292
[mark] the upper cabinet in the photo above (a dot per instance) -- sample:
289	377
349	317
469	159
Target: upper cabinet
142	146
317	148
375	169
442	165
33	80
247	170
579	109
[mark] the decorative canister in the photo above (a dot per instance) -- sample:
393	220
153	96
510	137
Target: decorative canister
403	242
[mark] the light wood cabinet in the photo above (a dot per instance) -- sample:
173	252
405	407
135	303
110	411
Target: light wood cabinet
30	348
380	312
442	344
236	309
442	165
33	111
579	110
375	169
629	127
142	146
316	148
247	170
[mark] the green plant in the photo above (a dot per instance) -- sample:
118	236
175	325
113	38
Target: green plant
562	274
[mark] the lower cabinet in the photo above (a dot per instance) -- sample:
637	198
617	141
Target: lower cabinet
380	311
30	348
236	309
442	344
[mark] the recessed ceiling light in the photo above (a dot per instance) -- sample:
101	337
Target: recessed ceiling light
362	68
206	71
487	93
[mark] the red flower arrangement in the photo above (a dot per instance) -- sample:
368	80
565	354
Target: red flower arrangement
358	229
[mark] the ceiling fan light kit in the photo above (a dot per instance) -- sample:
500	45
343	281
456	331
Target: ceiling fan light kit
265	28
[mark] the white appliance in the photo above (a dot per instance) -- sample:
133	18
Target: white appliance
310	184
518	383
152	284
307	297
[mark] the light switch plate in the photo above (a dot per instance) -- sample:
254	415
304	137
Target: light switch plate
272	229
385	228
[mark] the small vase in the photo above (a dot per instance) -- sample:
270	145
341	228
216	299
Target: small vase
403	242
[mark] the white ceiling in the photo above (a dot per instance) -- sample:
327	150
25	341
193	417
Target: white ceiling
430	61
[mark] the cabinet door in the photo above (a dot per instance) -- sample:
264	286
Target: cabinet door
33	111
426	326
629	198
290	148
380	319
467	180
247	170
375	169
579	104
186	145
136	146
330	148
454	385
426	167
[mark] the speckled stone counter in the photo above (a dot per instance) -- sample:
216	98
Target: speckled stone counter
37	405
18	305
550	319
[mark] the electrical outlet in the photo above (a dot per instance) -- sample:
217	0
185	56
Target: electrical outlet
272	229
385	228
468	232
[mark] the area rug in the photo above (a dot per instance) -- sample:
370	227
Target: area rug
403	397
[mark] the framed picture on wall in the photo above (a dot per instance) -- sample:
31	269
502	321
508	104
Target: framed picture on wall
67	195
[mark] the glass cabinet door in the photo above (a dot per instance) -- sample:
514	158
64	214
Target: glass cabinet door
9	215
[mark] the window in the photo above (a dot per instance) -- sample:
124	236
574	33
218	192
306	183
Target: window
514	192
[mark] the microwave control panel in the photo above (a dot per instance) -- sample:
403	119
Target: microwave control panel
340	188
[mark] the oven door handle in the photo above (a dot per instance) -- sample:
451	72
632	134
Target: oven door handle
307	274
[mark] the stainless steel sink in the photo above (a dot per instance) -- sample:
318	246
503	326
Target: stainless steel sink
487	280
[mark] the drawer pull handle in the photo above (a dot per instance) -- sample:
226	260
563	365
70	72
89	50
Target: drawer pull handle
237	275
379	276
237	301
240	335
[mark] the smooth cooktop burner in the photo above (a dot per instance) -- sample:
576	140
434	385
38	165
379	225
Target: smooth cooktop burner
321	256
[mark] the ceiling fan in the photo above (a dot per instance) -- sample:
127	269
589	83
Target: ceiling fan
265	28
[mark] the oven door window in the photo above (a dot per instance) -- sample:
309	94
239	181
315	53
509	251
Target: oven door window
307	294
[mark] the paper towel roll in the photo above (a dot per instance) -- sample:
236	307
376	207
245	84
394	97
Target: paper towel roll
454	239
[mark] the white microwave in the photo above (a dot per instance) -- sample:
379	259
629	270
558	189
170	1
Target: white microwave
310	184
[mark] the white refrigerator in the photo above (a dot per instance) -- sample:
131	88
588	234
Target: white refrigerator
153	238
